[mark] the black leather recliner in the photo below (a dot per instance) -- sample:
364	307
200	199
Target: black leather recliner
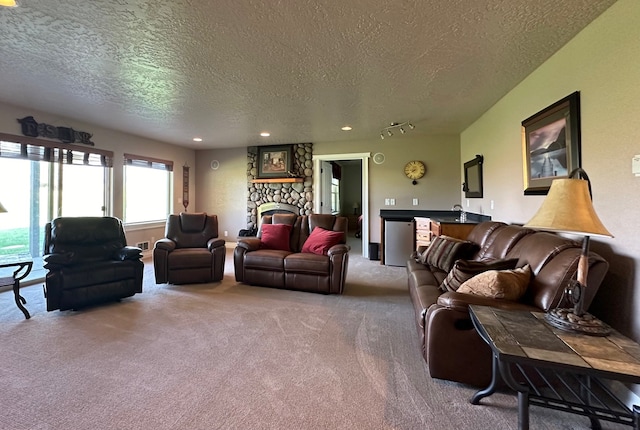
88	262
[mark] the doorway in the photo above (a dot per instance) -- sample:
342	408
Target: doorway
361	159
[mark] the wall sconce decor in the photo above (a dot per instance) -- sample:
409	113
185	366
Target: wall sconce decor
396	126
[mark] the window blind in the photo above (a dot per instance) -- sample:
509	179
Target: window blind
24	147
153	163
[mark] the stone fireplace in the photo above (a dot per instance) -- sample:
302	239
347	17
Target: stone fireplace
292	194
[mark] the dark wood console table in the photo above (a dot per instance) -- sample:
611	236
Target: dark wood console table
23	264
557	369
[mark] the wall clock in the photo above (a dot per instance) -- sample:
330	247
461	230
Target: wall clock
415	170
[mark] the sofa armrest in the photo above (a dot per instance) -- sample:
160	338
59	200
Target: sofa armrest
338	249
128	253
165	244
249	243
460	302
215	243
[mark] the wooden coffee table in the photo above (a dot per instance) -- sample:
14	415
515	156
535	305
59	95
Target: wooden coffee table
557	369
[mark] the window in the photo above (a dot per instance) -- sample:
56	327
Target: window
335	195
43	180
147	189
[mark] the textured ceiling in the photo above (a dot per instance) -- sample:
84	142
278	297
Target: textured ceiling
228	69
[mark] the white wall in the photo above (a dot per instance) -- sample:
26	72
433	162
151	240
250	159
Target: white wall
603	63
223	192
438	189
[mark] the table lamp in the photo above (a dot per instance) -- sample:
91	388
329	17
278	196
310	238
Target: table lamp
568	209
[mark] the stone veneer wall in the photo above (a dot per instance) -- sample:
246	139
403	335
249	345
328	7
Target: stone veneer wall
299	194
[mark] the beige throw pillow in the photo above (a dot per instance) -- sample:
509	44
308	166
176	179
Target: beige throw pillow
499	284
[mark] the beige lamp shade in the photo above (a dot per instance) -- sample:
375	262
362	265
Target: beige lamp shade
568	209
2	209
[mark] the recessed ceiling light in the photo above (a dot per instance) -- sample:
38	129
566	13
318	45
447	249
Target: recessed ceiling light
265	134
347	128
197	139
8	3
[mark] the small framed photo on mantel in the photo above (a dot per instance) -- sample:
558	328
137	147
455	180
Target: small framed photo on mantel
274	161
551	144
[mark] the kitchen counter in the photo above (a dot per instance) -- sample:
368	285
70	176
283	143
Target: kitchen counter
442	222
443	216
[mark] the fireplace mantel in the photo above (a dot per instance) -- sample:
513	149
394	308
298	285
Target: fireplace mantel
276	180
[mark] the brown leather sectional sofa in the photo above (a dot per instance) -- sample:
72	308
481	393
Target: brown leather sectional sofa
450	345
292	269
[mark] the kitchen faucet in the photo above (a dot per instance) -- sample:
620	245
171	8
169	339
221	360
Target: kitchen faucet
463	214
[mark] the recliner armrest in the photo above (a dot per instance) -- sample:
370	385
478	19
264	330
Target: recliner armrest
338	249
128	253
165	244
249	243
215	243
460	302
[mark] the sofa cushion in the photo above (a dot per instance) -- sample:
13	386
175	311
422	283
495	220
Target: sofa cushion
499	284
443	251
307	263
275	236
320	240
463	270
265	259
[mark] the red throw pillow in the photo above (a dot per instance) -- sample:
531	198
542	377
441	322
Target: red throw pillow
320	240
275	236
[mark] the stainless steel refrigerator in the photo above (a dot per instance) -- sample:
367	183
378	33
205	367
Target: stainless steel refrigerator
398	242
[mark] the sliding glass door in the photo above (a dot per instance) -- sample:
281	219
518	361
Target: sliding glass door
35	192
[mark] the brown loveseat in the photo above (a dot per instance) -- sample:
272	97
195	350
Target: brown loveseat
289	267
450	345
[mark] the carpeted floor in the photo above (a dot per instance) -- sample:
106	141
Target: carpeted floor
232	356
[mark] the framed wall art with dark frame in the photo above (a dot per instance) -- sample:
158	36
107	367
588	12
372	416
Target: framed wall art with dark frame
551	144
274	161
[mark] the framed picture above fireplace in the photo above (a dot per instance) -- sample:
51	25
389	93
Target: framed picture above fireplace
274	161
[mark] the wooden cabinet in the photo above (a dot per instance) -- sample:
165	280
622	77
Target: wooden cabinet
423	232
451	229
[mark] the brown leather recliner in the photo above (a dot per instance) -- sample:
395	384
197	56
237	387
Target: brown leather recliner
295	270
191	252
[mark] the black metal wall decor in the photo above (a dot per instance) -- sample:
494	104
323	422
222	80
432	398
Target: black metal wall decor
32	128
185	186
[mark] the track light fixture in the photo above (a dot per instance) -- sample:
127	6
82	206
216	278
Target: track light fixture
399	125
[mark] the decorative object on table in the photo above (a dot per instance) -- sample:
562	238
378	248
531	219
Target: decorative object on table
2	209
396	126
185	186
472	185
64	134
551	144
274	161
568	209
414	170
